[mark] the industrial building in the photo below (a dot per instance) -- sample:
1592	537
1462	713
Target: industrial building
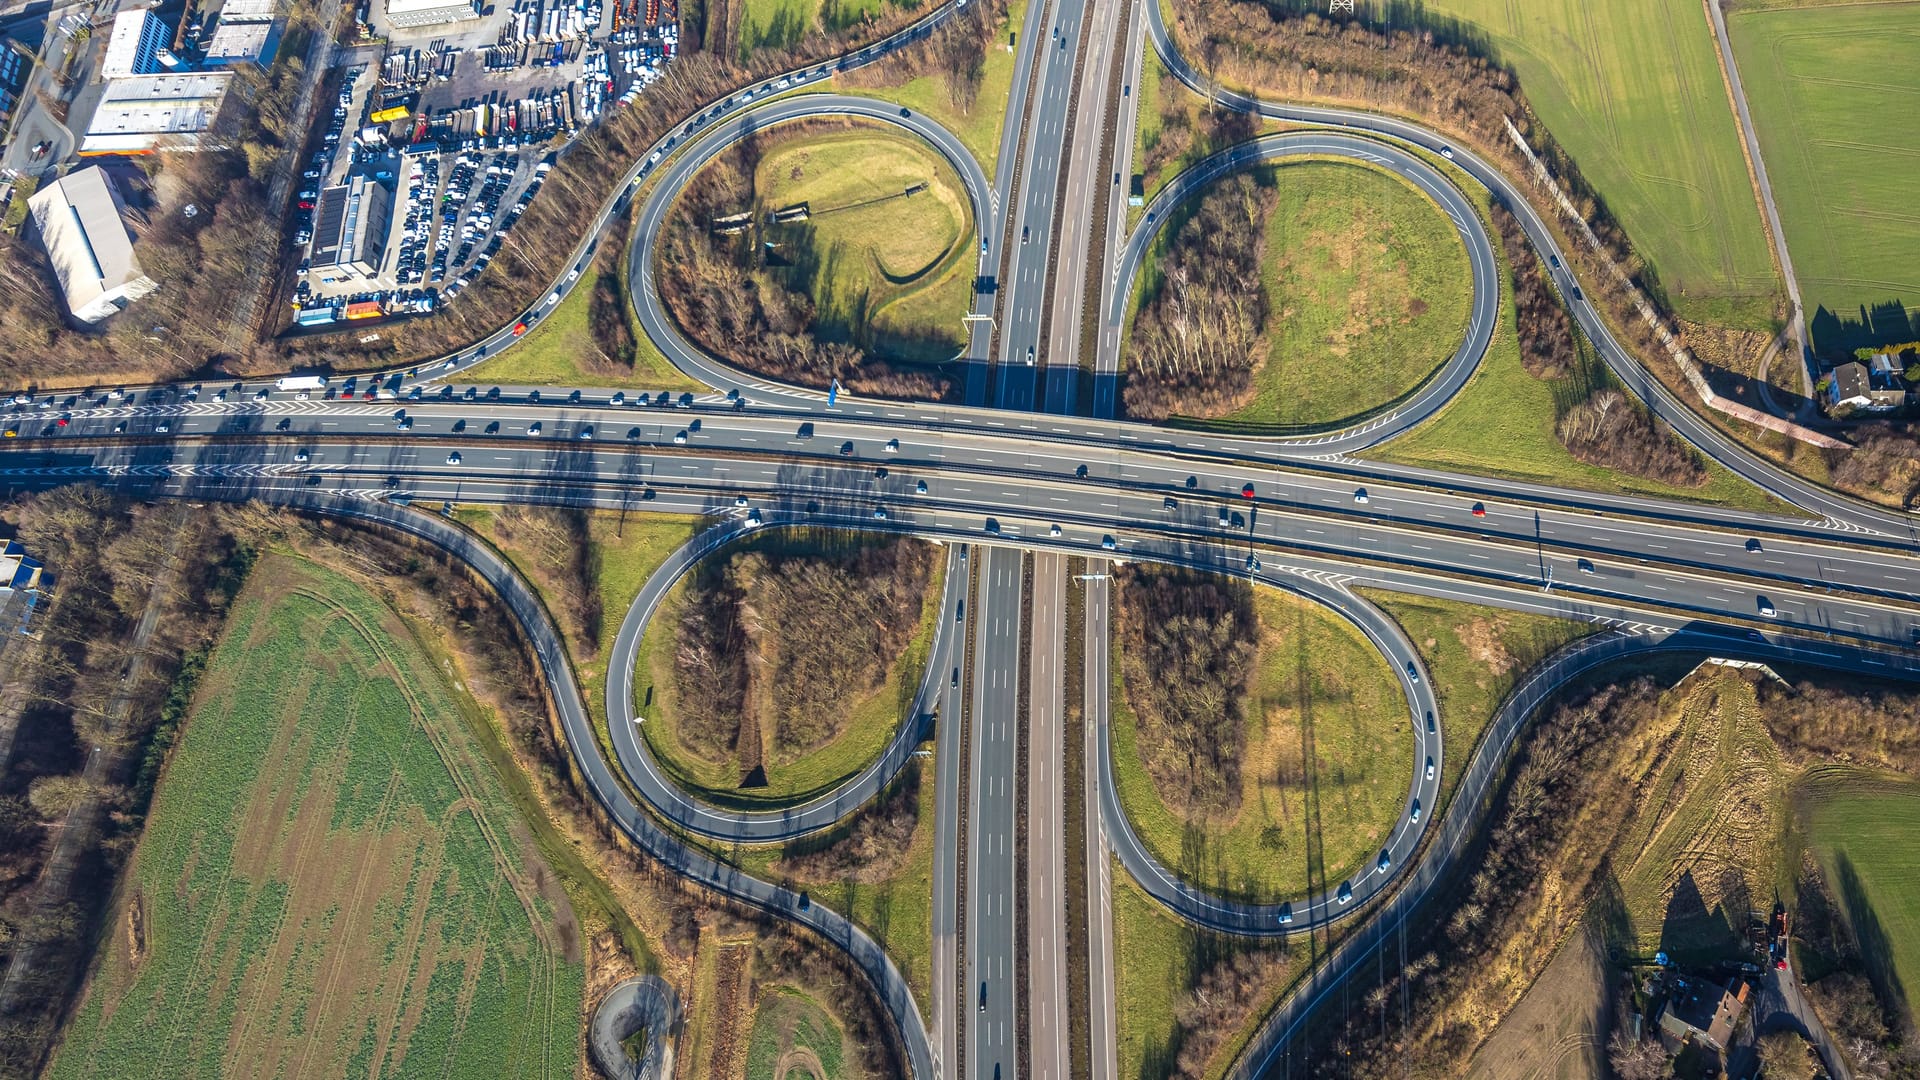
80	223
138	46
242	43
350	229
14	69
240	11
139	114
407	13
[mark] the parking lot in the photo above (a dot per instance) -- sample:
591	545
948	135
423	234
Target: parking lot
461	122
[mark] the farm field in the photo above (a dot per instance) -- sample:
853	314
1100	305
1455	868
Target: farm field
1632	89
886	252
333	880
871	718
557	352
793	1038
1558	1031
780	24
1860	827
1315	677
1835	97
1702	847
1367	288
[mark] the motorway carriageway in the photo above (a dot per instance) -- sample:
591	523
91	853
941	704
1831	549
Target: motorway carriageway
1325	513
1024	509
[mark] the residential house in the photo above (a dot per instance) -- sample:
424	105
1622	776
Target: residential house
1701	1012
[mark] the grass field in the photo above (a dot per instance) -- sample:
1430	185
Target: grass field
780	24
979	127
1158	91
1157	962
1703	848
1835	96
794	1039
872	718
891	269
1317	677
333	880
896	912
1473	656
1860	828
1501	424
1559	1029
1632	89
552	353
1367	288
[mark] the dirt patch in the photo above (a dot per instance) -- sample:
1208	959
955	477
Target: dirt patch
136	930
1482	638
732	1012
1558	1029
799	1063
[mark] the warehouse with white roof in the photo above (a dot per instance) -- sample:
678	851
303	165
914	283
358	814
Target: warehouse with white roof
80	221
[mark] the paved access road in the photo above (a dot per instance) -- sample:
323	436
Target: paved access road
644	1002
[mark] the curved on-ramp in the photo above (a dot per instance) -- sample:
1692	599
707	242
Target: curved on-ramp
672	803
1471	802
1193	902
679	170
696	866
1438	388
1428	398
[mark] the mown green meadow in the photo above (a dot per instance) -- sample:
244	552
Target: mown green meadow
1835	96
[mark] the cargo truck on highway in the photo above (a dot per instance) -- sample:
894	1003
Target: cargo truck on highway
301	382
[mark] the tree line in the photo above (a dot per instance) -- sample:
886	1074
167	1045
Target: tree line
1201	333
1604	427
783	642
1186	653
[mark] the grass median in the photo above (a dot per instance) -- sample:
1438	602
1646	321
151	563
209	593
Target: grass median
1473	655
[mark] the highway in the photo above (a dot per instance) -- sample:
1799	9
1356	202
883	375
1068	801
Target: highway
1046	1010
991	867
1833	587
1102	1018
1811	576
1027	285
